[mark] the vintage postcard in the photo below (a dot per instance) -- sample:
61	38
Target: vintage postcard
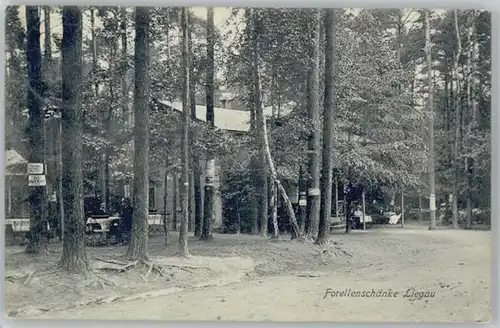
247	164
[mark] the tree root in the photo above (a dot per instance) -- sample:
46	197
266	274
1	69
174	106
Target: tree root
117	266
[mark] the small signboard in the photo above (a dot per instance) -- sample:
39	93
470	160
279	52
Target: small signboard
37	180
302	202
313	191
35	168
432	202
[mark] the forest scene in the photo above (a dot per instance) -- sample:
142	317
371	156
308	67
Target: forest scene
247	164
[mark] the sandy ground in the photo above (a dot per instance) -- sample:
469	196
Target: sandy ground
439	276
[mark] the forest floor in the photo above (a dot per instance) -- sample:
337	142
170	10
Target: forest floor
252	278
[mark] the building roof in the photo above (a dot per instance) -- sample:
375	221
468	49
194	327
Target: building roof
15	164
225	118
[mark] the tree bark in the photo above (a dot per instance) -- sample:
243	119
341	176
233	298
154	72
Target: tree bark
165	205
260	176
470	124
456	143
430	109
94	52
183	231
302	196
208	204
274	210
175	201
195	178
54	129
314	138
38	198
126	108
74	257
138	245
328	120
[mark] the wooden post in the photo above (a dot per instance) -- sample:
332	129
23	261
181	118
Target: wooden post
364	207
402	209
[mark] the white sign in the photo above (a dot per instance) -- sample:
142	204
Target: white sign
53	197
37	180
432	202
302	202
450	198
35	168
313	192
127	191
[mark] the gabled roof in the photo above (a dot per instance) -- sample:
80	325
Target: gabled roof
225	118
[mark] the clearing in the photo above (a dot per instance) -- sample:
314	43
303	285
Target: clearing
252	278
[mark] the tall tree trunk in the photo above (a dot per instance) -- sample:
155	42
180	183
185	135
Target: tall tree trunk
138	245
208	204
54	128
183	231
47	35
175	201
456	143
314	138
472	117
126	108
165	204
94	52
74	256
38	197
430	104
328	118
260	176
302	200
197	208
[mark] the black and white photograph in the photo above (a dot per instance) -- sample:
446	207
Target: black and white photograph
247	164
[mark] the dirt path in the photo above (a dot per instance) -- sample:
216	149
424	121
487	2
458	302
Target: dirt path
457	271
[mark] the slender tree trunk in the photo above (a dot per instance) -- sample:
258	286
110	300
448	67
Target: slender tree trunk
165	205
197	174
402	209
175	201
295	233
274	210
470	125
138	245
74	256
328	120
126	108
208	203
38	198
94	52
302	201
183	231
456	143
430	104
198	196
314	138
